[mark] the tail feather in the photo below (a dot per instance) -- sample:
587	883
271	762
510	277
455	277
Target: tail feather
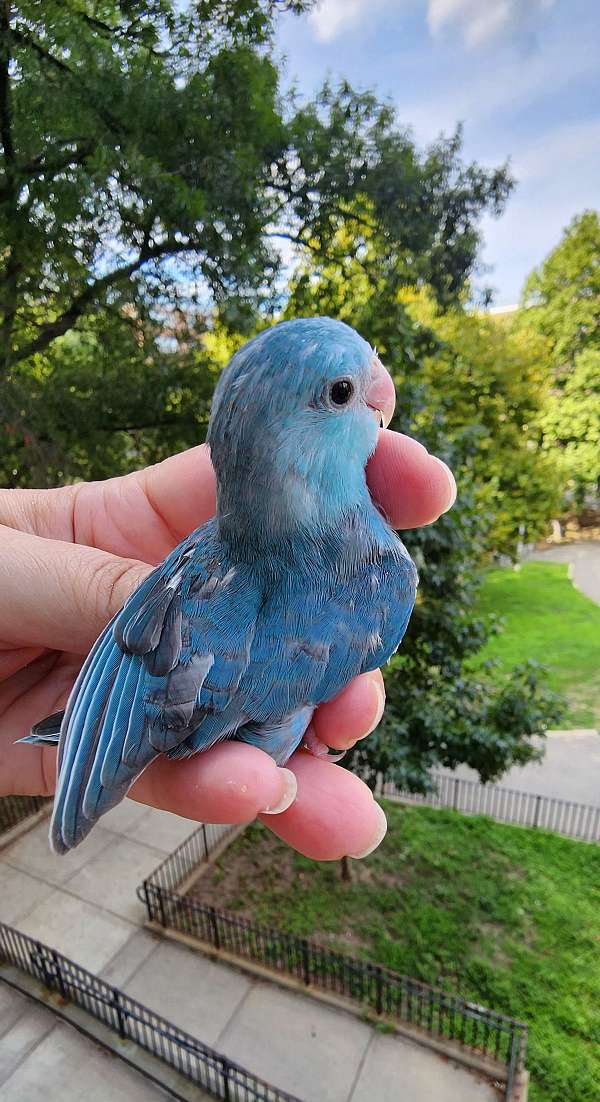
46	732
93	777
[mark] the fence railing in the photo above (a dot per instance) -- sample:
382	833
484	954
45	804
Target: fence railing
437	1013
15	809
198	1063
506	805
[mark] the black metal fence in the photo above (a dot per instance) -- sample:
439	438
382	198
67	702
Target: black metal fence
15	809
506	805
439	1014
201	1065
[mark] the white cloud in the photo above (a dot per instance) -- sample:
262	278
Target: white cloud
490	94
334	17
556	179
480	21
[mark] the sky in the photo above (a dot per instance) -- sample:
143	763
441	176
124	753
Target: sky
522	76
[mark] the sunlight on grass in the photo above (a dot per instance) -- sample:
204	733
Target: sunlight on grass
548	619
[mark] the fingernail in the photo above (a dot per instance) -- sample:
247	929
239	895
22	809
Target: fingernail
288	794
451	481
381	833
379	699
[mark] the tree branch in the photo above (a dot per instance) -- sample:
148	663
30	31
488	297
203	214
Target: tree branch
12	265
39	166
93	292
26	40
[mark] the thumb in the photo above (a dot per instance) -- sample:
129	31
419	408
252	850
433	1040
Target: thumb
60	595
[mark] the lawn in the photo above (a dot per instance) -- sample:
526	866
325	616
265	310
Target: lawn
546	618
502	915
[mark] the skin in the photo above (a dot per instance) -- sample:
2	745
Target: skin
70	557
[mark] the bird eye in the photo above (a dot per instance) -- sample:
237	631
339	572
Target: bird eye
341	392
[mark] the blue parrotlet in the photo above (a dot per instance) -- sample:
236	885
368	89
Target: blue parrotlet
269	609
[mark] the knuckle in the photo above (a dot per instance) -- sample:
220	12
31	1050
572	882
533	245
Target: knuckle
113	580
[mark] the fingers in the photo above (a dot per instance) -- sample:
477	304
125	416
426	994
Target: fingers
321	810
352	714
143	514
58	595
232	783
411	486
334	814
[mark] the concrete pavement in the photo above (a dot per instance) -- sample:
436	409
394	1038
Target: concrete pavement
569	770
584	557
85	906
42	1058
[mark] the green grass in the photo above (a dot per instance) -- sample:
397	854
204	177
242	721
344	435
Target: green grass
549	620
502	915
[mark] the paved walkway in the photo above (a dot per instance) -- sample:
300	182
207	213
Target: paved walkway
584	557
42	1058
569	770
85	905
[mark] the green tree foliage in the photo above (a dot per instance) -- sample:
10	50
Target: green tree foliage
149	160
487	383
562	300
571	424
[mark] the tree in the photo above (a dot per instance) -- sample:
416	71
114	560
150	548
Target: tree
487	380
562	301
149	160
571	424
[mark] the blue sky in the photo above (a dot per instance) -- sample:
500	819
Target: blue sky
523	76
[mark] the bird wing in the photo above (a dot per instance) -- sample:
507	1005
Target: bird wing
313	635
173	655
312	640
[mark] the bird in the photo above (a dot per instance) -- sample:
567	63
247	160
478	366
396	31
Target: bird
295	586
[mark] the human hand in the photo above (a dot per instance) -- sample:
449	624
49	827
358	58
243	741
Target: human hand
70	557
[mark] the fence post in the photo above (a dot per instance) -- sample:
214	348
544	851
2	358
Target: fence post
226	1068
205	841
214	928
161	906
305	962
536	814
455	798
59	976
146	898
378	989
116	1000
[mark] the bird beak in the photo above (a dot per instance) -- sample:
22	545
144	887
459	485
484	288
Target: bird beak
381	395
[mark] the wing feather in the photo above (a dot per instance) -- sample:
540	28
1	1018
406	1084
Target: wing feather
141	689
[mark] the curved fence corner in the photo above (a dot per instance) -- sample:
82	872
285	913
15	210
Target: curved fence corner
433	1012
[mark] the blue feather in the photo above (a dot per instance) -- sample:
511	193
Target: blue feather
296	586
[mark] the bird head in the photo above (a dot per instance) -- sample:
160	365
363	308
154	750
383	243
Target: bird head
295	417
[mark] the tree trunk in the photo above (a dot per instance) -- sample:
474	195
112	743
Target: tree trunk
346	870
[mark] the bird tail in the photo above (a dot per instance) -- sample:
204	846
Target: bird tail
46	732
103	745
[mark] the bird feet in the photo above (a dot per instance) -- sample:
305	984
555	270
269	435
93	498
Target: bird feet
317	747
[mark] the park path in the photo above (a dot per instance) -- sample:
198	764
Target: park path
584	557
42	1058
84	905
569	770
